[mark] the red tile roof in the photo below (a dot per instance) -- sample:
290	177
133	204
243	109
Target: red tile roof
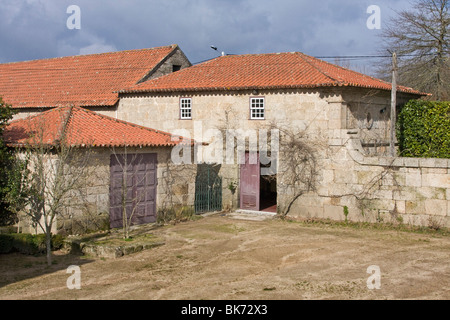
80	127
89	80
262	71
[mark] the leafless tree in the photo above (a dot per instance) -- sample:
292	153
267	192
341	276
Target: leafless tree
420	37
298	165
55	170
297	158
130	198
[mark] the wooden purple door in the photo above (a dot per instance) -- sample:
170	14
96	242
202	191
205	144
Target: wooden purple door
249	182
133	187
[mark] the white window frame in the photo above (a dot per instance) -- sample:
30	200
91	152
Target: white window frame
257	108
185	108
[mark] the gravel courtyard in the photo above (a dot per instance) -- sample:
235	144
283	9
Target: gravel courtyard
223	257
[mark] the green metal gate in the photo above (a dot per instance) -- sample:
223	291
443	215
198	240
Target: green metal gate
208	189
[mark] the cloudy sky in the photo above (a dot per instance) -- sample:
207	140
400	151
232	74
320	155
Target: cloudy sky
36	29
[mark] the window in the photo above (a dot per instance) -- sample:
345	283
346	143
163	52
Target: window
257	108
176	68
186	108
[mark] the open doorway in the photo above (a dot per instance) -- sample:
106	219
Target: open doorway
258	186
268	193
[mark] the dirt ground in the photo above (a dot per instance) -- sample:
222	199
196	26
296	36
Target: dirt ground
227	258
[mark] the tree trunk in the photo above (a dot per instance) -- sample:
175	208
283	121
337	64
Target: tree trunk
48	244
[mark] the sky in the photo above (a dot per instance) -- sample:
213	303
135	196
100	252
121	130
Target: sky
37	29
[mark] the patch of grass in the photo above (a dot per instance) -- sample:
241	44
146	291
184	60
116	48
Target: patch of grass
176	215
270	289
430	230
348	288
346	213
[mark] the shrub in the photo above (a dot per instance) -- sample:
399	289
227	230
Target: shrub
6	243
27	243
7	217
177	214
423	129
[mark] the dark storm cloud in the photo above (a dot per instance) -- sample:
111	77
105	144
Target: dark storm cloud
34	29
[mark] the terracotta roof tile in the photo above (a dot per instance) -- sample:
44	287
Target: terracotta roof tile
89	80
81	127
262	71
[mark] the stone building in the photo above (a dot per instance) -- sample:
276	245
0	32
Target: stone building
339	121
343	118
88	81
102	167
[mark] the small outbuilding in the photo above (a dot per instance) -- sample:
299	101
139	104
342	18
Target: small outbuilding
109	166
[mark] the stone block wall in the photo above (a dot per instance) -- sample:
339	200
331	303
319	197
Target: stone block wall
86	207
379	189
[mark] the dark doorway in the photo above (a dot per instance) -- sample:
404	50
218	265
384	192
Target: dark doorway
268	193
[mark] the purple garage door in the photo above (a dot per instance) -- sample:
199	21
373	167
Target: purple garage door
249	184
133	186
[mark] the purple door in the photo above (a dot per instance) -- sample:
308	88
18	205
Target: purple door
133	188
249	182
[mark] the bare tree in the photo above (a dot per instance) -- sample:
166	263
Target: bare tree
130	198
298	165
420	37
296	153
55	170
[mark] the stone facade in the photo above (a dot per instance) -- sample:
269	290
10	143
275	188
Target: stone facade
324	111
379	189
349	127
86	207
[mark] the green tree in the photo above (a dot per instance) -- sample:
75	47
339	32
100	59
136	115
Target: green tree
7	216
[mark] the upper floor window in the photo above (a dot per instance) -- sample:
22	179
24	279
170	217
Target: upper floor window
257	108
186	108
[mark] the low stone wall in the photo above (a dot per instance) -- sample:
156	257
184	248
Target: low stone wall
379	189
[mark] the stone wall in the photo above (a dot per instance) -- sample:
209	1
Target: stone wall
319	113
379	189
325	115
176	59
86	207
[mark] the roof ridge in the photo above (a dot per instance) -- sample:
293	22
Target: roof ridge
351	70
302	56
39	114
210	75
173	46
359	73
65	123
157	65
123	121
